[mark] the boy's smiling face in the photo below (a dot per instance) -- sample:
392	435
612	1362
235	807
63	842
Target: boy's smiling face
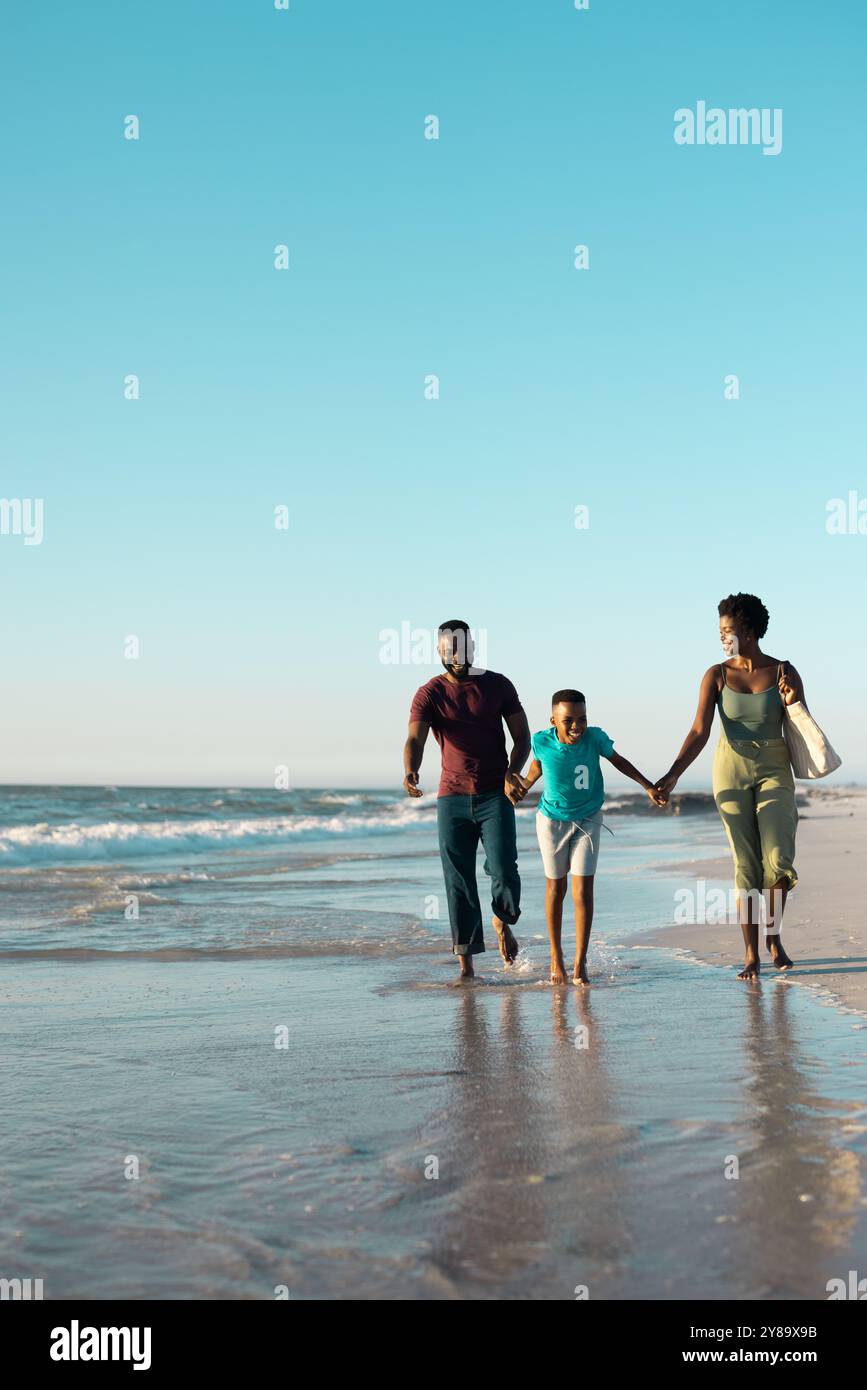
570	721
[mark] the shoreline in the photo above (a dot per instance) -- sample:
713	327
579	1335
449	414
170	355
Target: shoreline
823	929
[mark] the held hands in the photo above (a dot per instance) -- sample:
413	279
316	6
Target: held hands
662	791
411	786
515	787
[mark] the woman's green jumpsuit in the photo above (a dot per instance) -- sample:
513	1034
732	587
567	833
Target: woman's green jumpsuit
754	788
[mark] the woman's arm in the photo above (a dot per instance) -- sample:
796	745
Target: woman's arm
791	686
623	765
697	736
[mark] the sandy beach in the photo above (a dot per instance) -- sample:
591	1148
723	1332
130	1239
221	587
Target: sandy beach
825	927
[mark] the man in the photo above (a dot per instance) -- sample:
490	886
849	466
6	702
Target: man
478	788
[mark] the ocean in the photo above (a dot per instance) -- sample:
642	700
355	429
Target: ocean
236	1064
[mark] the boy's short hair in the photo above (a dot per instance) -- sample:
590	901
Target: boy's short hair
567	697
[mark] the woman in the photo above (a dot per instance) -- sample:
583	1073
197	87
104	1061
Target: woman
753	784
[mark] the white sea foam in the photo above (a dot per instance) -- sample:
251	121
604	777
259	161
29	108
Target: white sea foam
22	844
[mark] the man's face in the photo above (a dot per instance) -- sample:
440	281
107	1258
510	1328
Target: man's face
570	721
456	651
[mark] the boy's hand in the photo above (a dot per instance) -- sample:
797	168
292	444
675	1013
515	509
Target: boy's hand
411	786
515	787
664	787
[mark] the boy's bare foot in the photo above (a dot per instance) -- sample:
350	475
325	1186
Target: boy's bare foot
558	972
778	954
579	974
750	970
505	940
467	971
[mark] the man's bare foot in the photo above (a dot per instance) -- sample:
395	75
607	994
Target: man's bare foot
778	954
558	972
467	971
579	974
750	970
505	940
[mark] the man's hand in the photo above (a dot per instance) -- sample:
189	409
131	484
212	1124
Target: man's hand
411	786
658	797
515	787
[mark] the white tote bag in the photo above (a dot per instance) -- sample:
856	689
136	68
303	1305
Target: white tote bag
810	753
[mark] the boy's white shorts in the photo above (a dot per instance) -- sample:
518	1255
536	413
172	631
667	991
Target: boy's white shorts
569	846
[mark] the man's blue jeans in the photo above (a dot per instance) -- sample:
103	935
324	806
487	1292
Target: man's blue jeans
462	822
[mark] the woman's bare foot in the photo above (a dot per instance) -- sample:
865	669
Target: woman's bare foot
467	971
778	954
505	940
558	972
579	974
751	969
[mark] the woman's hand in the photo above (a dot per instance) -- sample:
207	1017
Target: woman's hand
790	686
656	796
663	789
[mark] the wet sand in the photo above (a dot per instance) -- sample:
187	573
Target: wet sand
438	1142
279	1048
825	926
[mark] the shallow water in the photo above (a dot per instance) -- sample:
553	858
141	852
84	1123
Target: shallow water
311	1165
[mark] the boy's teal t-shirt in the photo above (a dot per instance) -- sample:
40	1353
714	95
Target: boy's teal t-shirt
573	778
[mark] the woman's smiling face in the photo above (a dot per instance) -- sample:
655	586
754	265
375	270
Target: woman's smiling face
732	634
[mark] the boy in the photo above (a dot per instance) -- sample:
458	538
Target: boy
569	819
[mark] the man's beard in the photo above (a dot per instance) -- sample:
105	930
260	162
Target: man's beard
461	669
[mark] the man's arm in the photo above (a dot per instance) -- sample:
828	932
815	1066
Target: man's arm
413	752
520	731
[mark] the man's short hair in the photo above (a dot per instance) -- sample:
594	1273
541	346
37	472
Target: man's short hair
454	625
567	697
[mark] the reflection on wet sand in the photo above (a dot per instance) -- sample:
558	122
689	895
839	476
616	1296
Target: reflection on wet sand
524	1142
603	1164
798	1189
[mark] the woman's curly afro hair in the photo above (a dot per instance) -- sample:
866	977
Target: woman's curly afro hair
748	610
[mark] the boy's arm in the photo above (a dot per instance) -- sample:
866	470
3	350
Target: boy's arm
625	766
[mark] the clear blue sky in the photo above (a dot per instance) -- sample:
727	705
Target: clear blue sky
407	257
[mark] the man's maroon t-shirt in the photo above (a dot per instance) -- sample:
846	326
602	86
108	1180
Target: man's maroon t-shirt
466	718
